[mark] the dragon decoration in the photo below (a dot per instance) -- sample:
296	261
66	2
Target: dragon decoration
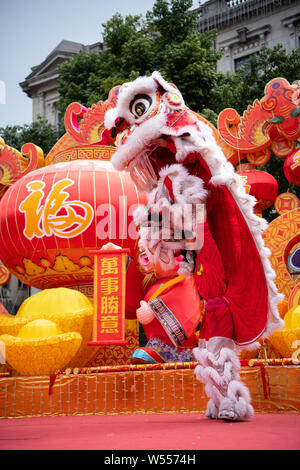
271	123
14	164
178	158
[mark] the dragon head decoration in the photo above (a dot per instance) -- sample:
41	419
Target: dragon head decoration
158	138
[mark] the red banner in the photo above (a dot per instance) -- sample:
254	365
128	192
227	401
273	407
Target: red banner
109	297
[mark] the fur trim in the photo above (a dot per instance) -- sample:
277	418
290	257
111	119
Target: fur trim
187	189
110	118
164	84
185	268
236	406
219	371
140	215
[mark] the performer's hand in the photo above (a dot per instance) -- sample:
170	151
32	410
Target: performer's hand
144	313
111	246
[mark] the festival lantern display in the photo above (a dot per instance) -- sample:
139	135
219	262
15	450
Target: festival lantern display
52	217
58	210
259	184
55	212
291	167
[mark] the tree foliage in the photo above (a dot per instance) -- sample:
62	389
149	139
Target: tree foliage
165	40
39	132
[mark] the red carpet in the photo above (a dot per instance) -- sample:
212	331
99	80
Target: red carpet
150	432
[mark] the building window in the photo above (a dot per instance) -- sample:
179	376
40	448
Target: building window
241	61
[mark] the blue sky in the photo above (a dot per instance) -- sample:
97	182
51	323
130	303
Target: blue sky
31	29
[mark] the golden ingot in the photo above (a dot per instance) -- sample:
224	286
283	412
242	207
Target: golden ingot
287	340
40	349
11	324
38	329
292	318
69	309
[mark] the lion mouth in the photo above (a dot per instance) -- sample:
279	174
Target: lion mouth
144	166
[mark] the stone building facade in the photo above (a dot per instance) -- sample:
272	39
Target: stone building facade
243	26
41	84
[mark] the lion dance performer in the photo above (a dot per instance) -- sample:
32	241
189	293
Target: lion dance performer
172	155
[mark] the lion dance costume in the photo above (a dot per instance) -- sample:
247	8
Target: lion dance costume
174	155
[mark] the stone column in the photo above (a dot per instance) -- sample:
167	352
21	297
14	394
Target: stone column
41	104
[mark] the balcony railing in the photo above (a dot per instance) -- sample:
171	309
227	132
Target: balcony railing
218	14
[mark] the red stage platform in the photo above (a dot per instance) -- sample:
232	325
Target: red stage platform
150	432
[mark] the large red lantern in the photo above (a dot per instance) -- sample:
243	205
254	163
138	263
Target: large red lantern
52	218
291	167
259	184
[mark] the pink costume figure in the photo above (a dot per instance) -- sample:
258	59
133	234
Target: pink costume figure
169	313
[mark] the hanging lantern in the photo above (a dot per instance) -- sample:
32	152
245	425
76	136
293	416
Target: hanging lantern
51	218
286	202
5	275
259	184
291	167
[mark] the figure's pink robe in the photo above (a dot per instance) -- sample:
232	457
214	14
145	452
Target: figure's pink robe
177	312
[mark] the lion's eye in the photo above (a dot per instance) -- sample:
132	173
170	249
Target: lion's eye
140	105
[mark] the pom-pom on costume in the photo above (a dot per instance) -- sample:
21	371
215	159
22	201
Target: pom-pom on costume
175	156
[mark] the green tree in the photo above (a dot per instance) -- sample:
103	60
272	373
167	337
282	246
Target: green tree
40	133
119	30
170	21
165	40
